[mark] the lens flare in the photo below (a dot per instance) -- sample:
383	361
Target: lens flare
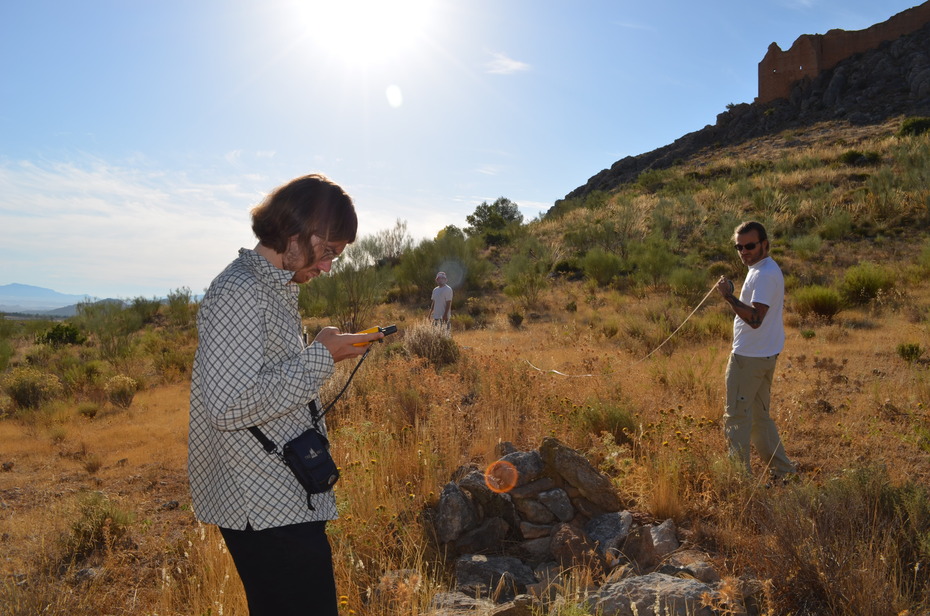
501	476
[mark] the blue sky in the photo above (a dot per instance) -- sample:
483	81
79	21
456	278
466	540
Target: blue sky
136	135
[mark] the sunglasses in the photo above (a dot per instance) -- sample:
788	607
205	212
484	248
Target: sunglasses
749	246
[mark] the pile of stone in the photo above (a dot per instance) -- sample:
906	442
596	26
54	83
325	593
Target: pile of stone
512	547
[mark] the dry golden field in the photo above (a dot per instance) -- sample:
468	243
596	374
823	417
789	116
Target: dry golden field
95	516
843	398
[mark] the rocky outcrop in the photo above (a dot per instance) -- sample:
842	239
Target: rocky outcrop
868	88
512	546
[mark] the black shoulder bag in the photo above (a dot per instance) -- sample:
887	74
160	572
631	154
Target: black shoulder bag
307	455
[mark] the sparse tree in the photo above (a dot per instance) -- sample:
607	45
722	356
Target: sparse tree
492	221
383	248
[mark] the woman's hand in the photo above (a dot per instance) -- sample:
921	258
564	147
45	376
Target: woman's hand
342	346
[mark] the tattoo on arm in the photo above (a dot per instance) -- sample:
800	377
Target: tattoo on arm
752	315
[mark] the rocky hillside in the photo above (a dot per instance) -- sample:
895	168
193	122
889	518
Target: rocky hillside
867	88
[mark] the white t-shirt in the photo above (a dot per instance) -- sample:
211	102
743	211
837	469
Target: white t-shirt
441	295
764	285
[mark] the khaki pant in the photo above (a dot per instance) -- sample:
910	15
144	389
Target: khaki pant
747	420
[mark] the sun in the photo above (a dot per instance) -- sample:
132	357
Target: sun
366	32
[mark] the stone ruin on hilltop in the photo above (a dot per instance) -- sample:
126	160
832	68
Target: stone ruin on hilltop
812	54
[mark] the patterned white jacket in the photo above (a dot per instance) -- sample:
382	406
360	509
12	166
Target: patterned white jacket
252	368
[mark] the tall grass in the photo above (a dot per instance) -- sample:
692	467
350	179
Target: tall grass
851	538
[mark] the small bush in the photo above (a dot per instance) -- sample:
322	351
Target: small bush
612	418
806	246
818	301
431	343
179	310
860	159
910	351
100	525
464	321
688	283
61	334
836	226
29	387
914	126
93	463
88	409
863	283
515	318
120	390
601	266
85	377
147	309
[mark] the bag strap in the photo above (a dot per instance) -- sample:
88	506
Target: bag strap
269	445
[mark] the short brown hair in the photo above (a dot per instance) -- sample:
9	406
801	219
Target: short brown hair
305	206
752	225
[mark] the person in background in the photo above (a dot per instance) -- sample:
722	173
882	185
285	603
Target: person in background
758	338
252	368
441	305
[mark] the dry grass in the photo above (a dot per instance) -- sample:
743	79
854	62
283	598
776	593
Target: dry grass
853	537
843	399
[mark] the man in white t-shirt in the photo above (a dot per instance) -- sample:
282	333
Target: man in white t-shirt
758	338
441	305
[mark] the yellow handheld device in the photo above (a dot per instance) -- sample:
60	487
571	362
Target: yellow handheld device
387	331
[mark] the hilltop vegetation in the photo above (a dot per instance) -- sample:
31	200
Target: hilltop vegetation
561	327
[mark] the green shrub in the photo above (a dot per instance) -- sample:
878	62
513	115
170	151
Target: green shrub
860	159
837	226
29	387
688	283
914	126
120	390
112	324
527	275
180	311
61	334
863	283
174	363
568	268
807	246
85	376
147	309
817	300
910	351
652	260
601	266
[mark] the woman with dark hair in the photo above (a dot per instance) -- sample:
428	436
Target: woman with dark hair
253	368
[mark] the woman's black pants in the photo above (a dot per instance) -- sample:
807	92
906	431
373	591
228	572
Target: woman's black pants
286	571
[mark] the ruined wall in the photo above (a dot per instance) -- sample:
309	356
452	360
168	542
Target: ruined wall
813	53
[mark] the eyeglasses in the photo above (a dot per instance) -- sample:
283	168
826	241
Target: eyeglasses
749	246
328	256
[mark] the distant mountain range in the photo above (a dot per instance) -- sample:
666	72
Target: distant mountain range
27	299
